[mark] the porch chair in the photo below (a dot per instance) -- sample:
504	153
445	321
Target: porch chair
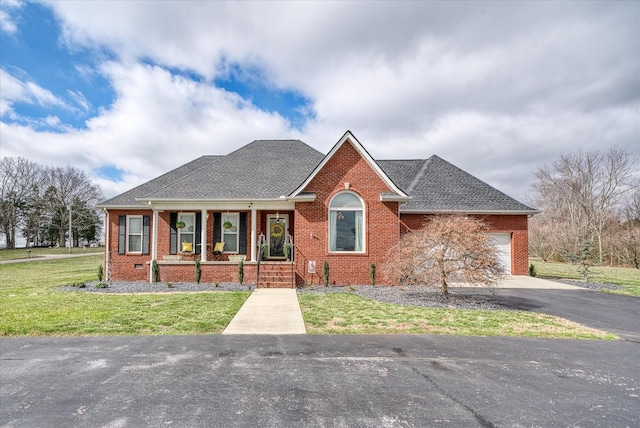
187	250
218	249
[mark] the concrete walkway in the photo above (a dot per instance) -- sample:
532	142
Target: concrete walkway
269	311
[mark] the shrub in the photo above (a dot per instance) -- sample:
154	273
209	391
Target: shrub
198	271
532	270
241	272
100	273
155	271
325	272
372	273
102	285
447	248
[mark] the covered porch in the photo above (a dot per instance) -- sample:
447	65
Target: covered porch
220	235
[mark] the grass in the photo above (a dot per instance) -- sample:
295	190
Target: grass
343	313
22	253
629	278
31	305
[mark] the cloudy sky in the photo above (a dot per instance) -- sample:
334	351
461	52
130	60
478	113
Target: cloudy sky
128	90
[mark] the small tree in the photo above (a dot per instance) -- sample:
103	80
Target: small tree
241	272
155	271
198	271
325	273
447	248
372	273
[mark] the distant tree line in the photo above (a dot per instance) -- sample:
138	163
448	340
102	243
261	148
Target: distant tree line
590	204
36	201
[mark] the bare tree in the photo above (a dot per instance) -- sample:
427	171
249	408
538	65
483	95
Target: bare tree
447	248
68	188
629	239
18	179
581	193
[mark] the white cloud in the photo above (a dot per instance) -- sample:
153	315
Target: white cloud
157	122
18	91
496	88
7	23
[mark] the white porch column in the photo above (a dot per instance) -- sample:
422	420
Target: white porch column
203	237
154	243
254	231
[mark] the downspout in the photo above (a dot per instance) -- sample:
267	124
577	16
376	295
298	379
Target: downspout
107	231
254	232
154	243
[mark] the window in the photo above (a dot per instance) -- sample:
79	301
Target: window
134	234
186	235
230	233
346	223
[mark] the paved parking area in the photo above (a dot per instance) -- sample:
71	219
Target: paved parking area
605	311
320	381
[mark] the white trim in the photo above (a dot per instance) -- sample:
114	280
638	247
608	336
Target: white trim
254	233
154	243
192	233
128	233
236	233
203	236
348	136
303	198
486	212
272	204
393	198
107	242
364	222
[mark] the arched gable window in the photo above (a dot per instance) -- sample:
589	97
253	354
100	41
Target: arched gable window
346	223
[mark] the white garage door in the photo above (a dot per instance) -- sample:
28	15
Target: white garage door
503	244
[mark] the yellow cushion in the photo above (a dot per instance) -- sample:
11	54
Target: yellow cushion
187	246
219	247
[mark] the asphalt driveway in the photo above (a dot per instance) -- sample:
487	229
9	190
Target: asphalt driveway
319	381
614	313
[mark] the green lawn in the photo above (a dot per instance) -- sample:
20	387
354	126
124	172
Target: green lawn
629	278
31	305
343	313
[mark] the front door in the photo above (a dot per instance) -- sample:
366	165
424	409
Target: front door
278	230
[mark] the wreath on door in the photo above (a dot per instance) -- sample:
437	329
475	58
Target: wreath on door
277	230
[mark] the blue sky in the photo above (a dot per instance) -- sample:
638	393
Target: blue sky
498	89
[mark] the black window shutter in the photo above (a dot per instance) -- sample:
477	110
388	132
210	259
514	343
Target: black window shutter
217	235
173	233
122	234
145	234
242	230
198	237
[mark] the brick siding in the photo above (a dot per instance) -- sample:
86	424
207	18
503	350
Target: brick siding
516	225
312	227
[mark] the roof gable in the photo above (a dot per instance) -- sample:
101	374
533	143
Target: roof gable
351	139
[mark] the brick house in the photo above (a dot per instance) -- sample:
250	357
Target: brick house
285	208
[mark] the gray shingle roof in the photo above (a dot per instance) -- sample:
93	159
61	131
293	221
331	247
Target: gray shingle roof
268	169
263	169
128	198
443	187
